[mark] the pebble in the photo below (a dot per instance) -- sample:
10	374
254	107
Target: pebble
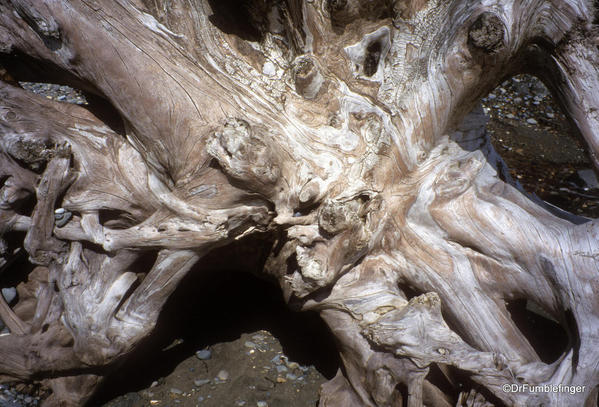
201	382
240	403
550	115
154	384
62	218
531	121
262	403
10	397
176	391
250	344
9	294
55	92
264	385
204	354
269	69
223	375
281	368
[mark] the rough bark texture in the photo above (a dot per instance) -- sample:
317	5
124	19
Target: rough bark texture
347	131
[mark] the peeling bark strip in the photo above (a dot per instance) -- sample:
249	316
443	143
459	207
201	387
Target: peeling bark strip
347	131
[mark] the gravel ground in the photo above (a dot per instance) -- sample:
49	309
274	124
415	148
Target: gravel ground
249	371
56	92
245	354
541	148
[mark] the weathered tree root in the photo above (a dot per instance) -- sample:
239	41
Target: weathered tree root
348	132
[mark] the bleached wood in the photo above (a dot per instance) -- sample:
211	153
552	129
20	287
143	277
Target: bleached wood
348	132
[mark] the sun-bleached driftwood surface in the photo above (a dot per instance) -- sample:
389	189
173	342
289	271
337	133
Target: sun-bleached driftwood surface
348	133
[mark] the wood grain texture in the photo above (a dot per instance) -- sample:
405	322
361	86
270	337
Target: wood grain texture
347	131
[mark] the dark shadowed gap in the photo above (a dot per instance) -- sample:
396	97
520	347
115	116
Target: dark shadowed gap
543	151
243	18
17	267
371	60
402	394
98	106
105	111
51	81
548	338
217	303
116	219
466	384
409	290
439	379
14	270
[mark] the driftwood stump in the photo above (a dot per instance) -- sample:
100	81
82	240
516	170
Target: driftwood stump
346	131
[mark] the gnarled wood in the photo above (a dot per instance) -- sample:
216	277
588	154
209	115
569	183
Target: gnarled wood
349	132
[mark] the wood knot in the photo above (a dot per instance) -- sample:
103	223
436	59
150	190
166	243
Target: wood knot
307	77
486	33
335	217
9	116
336	5
309	192
245	153
457	177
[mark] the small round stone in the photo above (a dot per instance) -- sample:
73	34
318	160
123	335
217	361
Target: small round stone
9	293
61	219
223	375
204	354
201	382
